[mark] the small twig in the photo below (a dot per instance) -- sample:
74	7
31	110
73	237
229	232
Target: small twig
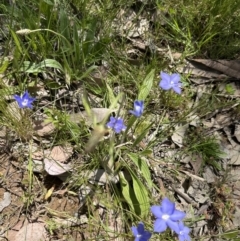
193	176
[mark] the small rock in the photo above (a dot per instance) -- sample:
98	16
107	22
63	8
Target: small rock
208	175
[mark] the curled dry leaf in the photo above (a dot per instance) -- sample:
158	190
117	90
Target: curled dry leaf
61	153
55	168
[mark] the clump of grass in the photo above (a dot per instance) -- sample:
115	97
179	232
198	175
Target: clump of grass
208	147
209	27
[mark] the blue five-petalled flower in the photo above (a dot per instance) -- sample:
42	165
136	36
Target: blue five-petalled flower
183	232
25	100
140	234
166	216
170	81
138	108
116	124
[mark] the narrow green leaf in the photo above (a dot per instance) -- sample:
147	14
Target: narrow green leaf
50	63
143	167
4	65
30	67
146	86
231	234
15	37
141	194
111	95
126	190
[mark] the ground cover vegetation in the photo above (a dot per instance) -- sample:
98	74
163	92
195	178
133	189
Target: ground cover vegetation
119	120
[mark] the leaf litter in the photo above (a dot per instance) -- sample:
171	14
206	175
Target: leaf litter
192	190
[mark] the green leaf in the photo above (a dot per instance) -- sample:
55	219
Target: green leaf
231	234
141	194
146	152
51	63
30	67
143	167
15	37
4	65
52	85
111	95
146	86
126	191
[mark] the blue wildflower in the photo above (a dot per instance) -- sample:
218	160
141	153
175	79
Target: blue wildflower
138	108
140	234
25	100
170	82
183	232
116	124
166	216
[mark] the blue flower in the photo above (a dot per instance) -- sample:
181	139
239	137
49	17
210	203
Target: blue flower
25	100
140	234
117	124
171	82
183	232
166	216
138	108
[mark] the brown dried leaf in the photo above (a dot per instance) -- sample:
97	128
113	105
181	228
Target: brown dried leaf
32	231
61	153
228	67
199	70
55	168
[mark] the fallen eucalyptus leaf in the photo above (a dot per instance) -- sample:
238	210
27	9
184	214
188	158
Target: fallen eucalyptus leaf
61	153
55	168
178	135
32	231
